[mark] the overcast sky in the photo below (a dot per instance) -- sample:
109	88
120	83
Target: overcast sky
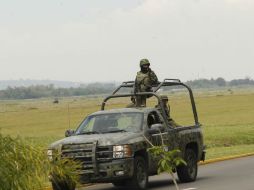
104	40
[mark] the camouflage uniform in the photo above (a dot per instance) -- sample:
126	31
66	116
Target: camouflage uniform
166	107
144	81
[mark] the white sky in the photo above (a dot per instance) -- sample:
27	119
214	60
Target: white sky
103	40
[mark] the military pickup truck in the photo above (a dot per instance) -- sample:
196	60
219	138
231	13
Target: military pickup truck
112	147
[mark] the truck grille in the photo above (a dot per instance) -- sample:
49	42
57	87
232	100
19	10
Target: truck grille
89	154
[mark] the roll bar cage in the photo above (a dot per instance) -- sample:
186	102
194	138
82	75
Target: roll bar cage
165	82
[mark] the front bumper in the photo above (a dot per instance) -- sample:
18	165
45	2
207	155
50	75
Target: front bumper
108	172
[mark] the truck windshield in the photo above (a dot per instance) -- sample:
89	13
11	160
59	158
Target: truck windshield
111	123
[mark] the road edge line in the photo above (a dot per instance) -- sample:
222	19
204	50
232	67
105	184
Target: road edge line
225	158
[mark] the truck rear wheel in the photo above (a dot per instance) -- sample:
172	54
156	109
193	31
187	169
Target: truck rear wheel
188	173
139	180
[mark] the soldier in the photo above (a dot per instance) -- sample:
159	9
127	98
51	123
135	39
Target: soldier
144	80
166	107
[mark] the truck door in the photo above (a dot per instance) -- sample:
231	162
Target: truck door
157	138
168	136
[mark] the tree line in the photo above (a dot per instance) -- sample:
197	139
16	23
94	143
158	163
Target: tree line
219	82
39	91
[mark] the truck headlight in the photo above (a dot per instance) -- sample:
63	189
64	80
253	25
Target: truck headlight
50	154
122	151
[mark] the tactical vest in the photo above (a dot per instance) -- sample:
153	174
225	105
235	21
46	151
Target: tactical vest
143	82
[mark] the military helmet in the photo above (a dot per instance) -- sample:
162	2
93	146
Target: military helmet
164	97
144	62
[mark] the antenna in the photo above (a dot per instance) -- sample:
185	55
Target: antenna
69	118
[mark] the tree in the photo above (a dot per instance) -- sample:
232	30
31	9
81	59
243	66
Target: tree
220	81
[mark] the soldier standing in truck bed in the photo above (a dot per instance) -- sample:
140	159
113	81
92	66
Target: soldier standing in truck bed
144	80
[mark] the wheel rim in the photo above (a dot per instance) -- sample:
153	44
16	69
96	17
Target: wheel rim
192	164
141	174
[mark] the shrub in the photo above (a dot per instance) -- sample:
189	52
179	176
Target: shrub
25	167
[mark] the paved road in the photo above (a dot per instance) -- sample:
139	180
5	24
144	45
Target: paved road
237	174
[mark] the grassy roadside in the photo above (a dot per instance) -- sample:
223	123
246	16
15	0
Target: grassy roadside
220	152
228	122
227	118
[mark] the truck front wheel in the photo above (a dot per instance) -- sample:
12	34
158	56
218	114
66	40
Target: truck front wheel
62	184
119	183
139	180
188	173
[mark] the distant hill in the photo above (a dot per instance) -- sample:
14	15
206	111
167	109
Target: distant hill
28	82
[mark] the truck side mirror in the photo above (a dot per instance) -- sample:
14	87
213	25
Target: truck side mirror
69	133
156	128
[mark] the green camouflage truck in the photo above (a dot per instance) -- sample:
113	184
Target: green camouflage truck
112	147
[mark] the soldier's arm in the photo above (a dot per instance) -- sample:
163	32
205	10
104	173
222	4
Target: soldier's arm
135	86
153	77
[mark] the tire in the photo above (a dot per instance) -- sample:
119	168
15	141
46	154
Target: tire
188	173
139	180
119	183
62	185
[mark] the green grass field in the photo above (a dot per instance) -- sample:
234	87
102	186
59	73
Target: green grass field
227	118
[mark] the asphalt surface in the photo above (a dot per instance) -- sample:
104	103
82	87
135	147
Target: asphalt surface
236	174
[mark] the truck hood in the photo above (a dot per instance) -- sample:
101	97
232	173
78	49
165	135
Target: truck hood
103	139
